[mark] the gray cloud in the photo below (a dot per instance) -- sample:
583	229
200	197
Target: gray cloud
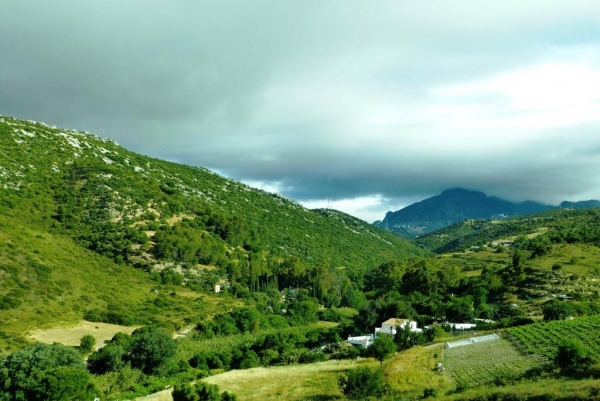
324	99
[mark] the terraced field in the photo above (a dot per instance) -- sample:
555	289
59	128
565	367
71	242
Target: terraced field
483	363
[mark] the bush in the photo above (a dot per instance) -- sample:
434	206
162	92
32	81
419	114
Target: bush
361	383
86	344
348	352
200	392
557	310
312	357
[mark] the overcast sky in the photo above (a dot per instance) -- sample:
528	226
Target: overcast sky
364	106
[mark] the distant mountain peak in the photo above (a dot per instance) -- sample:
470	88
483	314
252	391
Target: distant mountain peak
451	206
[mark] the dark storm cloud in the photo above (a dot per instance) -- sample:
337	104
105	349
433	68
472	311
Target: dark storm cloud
325	100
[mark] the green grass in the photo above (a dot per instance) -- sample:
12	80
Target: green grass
317	381
52	281
543	389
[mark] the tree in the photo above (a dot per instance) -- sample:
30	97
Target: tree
405	338
86	344
540	246
150	349
460	310
557	310
353	297
386	277
361	383
573	357
107	359
45	372
382	348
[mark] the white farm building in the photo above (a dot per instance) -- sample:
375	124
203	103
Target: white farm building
387	327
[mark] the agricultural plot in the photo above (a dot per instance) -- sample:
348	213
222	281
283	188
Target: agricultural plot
544	338
482	363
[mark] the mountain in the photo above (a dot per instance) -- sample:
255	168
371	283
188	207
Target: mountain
580	205
451	206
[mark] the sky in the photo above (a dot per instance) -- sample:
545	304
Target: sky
360	106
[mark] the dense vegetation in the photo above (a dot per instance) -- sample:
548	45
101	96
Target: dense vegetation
563	226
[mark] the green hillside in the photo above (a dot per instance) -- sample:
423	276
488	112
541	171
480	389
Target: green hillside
566	225
90	229
47	279
88	187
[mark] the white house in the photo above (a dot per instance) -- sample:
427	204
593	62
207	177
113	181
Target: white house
387	327
462	326
365	341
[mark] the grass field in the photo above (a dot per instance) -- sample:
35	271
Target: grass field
53	282
544	389
408	373
102	332
317	381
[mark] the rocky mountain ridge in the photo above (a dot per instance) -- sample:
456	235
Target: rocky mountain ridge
458	204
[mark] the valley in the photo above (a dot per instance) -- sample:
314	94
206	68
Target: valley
182	276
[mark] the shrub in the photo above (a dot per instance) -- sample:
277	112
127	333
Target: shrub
361	383
86	344
200	392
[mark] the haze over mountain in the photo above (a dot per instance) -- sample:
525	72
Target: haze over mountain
454	205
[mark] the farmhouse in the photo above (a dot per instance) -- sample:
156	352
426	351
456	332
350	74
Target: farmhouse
388	327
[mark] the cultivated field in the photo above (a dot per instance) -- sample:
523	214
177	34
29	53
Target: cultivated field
544	338
484	363
102	332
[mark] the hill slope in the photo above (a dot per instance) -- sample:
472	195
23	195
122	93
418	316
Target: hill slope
75	182
570	225
70	197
